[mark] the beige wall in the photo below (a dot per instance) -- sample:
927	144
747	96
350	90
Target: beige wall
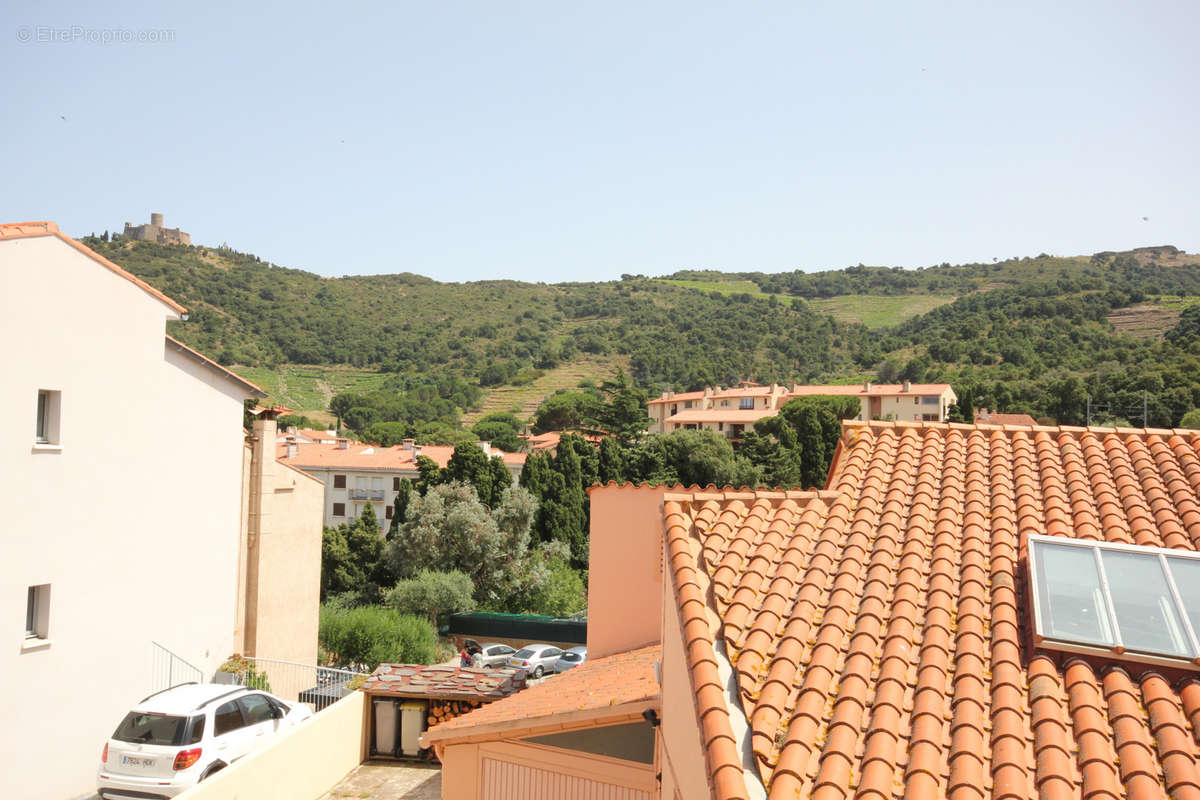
625	568
302	765
135	530
684	772
283	557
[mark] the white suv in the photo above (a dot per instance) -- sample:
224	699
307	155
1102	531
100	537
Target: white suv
178	737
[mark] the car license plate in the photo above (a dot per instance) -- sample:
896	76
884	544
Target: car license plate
136	761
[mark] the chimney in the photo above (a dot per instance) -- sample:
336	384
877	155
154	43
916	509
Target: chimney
908	386
291	429
409	444
416	451
343	444
486	447
290	450
708	391
867	386
665	396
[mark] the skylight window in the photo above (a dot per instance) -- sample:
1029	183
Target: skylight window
1126	599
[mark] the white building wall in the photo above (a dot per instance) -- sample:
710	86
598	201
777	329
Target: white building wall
136	533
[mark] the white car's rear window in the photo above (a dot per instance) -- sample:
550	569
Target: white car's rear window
157	729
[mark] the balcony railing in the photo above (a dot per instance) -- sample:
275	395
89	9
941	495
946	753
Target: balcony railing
366	494
305	683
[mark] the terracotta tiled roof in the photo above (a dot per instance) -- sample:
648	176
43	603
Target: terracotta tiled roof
229	375
879	633
360	455
602	684
26	230
676	398
992	418
443	681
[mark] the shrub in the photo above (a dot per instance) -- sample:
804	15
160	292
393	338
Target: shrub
432	594
368	636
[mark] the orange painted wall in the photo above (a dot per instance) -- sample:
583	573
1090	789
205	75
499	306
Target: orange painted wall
625	568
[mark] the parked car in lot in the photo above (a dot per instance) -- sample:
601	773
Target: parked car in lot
492	654
536	659
570	658
178	737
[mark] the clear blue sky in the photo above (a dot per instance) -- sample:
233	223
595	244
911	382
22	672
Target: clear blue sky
550	141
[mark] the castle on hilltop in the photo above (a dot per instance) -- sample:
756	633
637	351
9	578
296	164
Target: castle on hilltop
155	232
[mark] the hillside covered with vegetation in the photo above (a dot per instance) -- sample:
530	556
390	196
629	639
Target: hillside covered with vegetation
1029	335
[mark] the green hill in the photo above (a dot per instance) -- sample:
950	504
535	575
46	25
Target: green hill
1028	334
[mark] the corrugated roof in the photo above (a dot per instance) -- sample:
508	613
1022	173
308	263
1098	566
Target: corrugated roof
879	634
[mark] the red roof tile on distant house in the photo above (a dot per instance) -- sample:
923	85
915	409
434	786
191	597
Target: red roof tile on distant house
992	418
596	688
879	632
26	230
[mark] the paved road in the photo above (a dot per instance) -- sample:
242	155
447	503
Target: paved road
389	780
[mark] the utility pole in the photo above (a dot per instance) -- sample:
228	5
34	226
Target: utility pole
1145	409
1089	410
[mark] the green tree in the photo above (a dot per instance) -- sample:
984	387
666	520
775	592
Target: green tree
429	474
499	434
400	507
433	595
1191	419
341	403
704	457
340	572
573	500
449	529
565	411
623	413
611	461
368	636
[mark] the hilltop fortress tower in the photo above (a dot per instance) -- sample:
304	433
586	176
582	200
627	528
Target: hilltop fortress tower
155	232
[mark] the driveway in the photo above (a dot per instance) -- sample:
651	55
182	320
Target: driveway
389	780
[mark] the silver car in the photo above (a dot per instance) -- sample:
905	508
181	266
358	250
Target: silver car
571	658
492	654
536	659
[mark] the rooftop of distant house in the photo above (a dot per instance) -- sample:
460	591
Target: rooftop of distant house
343	453
868	389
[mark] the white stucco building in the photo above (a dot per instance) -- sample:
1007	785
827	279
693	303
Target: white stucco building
117	535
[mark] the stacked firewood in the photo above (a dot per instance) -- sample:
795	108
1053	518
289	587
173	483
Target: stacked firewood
442	710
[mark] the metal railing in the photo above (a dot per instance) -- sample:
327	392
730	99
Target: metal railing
168	669
319	687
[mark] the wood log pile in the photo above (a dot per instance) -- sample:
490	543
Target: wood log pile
442	710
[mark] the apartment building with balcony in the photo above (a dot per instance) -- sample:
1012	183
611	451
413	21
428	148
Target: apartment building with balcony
356	474
733	411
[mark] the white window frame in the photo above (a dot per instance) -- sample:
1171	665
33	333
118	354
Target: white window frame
1191	634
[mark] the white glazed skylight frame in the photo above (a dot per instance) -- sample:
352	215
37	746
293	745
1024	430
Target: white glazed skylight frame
1191	628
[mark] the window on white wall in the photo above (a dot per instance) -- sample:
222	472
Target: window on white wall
37	612
46	429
